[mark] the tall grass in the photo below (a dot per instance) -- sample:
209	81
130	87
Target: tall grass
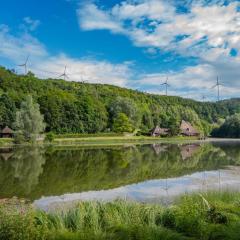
211	216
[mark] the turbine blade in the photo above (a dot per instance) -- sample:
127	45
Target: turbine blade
62	75
27	59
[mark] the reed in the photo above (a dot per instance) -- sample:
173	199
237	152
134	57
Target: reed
207	216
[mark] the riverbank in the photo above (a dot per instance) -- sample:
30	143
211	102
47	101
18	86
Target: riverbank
102	140
119	140
116	140
209	216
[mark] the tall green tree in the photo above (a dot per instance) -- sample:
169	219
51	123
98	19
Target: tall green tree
29	121
126	106
122	124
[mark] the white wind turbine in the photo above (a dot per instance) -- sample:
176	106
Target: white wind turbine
166	85
64	75
24	65
217	85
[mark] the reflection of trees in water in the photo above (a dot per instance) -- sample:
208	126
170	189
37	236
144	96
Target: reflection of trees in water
82	169
19	174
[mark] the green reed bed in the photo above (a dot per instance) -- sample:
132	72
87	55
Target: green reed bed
210	216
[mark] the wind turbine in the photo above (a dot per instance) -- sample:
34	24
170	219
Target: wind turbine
203	98
64	75
218	84
166	85
24	65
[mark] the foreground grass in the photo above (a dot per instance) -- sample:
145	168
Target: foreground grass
212	216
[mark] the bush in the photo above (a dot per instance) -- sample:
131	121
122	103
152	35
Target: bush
49	137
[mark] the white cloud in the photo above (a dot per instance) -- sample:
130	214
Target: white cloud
18	47
43	64
208	31
155	23
97	19
193	82
85	70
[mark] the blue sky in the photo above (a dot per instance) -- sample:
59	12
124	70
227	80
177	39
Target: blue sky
130	43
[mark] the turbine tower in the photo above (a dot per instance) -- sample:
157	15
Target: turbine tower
24	65
203	98
64	75
218	84
166	85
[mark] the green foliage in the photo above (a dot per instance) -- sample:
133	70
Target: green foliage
126	106
174	126
49	137
188	219
29	121
230	128
71	108
7	111
122	124
17	222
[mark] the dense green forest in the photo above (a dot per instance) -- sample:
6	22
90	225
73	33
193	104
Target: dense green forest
73	107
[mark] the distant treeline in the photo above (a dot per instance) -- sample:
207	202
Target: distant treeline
72	107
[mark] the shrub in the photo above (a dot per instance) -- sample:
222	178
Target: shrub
49	137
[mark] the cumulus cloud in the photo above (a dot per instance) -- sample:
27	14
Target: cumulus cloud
45	65
156	23
17	47
194	82
207	30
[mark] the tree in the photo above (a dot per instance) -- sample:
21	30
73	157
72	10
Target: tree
230	128
126	106
122	124
7	111
174	126
29	121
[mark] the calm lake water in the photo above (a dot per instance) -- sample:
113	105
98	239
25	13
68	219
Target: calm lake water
146	173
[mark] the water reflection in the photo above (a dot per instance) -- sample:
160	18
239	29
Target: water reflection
36	172
152	190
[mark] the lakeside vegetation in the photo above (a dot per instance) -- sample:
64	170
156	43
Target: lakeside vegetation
208	216
71	107
229	128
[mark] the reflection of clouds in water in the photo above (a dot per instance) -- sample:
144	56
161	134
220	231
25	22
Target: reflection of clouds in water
155	190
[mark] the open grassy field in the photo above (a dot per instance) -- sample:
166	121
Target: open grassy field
214	216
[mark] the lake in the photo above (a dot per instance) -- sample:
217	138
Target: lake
146	173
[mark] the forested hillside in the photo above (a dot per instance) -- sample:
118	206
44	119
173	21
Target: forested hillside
71	107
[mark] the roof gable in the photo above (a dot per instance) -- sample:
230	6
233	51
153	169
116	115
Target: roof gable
7	130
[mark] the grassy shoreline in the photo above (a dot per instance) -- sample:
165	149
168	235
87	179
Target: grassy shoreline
114	140
212	216
103	140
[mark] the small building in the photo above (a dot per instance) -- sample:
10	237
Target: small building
187	129
7	132
157	131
